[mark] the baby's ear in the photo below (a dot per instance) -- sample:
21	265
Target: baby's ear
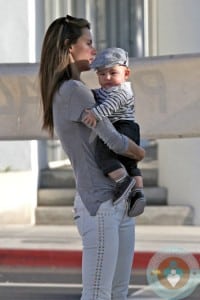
127	72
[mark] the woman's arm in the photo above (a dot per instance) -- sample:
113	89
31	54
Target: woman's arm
117	142
134	151
77	98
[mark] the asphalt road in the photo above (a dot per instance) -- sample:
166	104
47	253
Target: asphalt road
62	284
44	283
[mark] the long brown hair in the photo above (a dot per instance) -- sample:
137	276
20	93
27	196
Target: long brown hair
55	61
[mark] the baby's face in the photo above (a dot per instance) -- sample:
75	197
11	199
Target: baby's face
113	76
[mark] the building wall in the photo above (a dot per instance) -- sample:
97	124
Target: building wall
18	176
14	31
17	35
177	24
174	28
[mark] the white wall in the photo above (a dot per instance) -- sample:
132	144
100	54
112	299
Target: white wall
179	170
15	39
18	179
18	197
178	26
15	156
14	31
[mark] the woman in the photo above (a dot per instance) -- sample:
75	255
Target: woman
106	230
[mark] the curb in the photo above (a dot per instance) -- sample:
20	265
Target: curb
57	258
62	258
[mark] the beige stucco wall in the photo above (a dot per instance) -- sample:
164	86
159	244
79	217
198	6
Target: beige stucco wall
177	32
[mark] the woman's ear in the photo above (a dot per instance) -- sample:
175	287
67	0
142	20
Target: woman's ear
69	50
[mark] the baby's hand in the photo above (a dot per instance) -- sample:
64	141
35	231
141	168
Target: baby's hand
89	118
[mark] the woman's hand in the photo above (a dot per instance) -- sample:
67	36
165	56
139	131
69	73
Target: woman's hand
89	118
134	151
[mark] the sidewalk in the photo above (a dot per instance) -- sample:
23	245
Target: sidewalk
60	246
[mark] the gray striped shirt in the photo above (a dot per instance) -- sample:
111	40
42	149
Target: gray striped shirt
117	103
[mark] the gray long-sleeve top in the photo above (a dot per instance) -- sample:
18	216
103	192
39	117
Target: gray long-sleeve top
78	142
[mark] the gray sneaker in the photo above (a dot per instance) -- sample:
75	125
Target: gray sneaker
123	189
136	203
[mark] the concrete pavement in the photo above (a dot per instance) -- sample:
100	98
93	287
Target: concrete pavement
61	245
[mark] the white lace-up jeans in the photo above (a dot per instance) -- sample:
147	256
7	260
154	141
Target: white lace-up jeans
108	246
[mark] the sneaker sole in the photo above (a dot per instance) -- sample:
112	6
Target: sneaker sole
126	192
138	208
